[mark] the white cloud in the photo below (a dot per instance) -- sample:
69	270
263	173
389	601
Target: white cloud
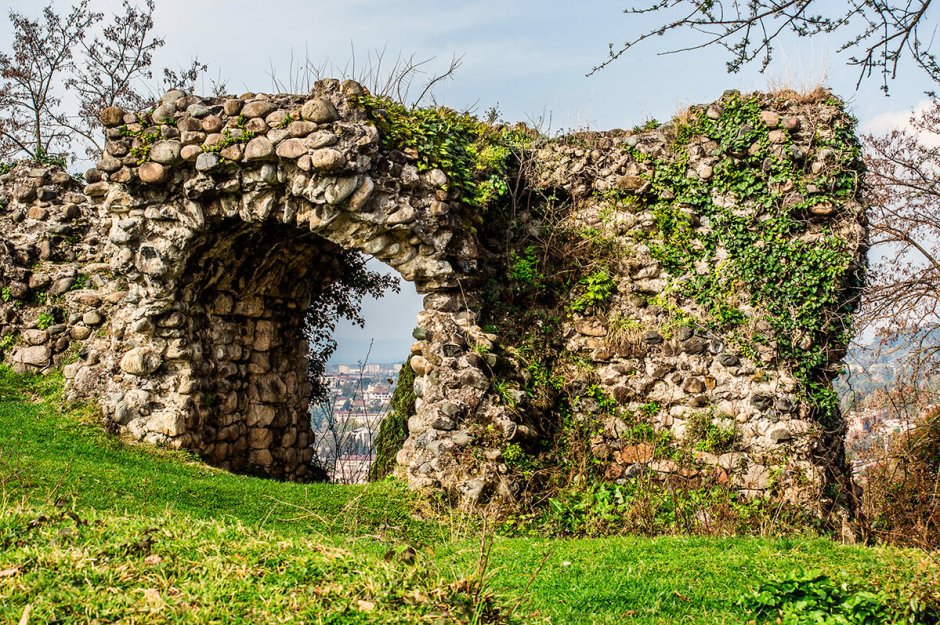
901	120
893	120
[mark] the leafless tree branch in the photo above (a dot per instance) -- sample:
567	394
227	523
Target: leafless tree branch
881	33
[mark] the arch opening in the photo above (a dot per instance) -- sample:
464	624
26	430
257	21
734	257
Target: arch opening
262	300
363	375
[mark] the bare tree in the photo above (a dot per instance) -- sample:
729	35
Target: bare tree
878	34
903	300
42	55
112	66
348	429
59	53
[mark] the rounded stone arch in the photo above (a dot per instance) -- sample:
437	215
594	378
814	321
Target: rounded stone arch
229	218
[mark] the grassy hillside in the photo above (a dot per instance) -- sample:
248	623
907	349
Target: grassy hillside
94	530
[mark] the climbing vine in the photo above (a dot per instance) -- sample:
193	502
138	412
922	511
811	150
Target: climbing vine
229	139
475	155
144	140
758	260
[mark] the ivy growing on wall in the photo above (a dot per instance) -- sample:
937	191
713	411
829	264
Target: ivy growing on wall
475	155
757	258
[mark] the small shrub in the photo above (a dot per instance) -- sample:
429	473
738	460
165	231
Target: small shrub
525	268
647	506
502	390
7	342
141	151
623	330
650	124
901	501
650	409
541	377
605	403
706	435
45	320
815	599
81	281
45	158
596	290
516	459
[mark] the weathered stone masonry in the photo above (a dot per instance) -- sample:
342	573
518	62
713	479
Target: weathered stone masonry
225	250
211	225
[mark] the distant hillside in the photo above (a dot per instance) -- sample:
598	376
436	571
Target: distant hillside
874	367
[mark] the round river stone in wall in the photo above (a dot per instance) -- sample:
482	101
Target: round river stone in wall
319	111
166	152
152	173
327	159
258	149
140	361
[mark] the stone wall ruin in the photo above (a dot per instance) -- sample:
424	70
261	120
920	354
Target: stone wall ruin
212	224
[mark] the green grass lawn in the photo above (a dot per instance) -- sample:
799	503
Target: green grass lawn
95	530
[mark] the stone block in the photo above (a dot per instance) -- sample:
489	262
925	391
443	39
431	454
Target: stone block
140	361
319	111
260	415
259	148
260	438
36	355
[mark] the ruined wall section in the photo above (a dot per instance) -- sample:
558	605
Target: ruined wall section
56	286
682	290
719	258
228	217
669	302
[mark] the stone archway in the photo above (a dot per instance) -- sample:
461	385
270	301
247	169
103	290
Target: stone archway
228	217
232	225
241	320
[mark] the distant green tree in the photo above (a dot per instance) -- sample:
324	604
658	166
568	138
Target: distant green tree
394	428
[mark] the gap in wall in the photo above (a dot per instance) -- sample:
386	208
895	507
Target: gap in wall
362	373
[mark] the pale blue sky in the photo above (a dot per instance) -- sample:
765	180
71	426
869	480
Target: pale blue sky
529	57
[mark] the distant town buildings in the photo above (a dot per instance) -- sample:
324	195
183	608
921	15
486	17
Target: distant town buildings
347	422
378	392
871	429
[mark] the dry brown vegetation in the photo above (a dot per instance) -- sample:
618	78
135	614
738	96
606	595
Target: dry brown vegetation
901	503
